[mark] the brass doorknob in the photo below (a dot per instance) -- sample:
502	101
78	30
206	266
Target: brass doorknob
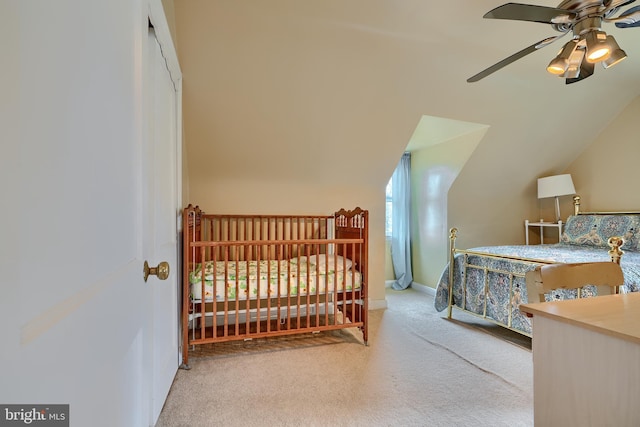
162	270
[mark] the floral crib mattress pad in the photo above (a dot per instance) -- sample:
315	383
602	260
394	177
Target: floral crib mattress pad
262	279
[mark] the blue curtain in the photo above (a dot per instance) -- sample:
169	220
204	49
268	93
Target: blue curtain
401	222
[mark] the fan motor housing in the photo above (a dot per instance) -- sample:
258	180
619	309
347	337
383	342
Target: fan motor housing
589	15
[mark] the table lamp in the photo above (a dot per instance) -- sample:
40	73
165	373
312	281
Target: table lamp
555	186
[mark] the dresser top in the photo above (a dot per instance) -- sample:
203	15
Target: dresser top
615	315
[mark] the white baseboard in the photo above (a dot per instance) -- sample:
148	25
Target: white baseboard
377	304
415	286
423	288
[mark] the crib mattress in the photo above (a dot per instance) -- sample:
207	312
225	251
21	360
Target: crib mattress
261	279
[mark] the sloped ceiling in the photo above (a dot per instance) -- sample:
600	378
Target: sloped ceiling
334	81
436	130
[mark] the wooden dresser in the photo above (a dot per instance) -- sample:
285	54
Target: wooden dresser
586	361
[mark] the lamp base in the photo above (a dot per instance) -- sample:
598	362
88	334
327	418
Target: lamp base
557	209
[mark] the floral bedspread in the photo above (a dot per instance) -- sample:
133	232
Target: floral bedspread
253	279
502	301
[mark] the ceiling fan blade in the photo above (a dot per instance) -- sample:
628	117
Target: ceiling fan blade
532	13
628	19
526	51
586	70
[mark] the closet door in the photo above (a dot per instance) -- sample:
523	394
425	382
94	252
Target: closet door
90	167
160	215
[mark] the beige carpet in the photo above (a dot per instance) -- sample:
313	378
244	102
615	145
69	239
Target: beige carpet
420	369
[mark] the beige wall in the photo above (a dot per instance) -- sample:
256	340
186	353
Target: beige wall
169	11
607	173
302	198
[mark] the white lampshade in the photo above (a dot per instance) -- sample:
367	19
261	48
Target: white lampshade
557	185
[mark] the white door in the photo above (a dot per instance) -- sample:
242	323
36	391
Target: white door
89	167
160	214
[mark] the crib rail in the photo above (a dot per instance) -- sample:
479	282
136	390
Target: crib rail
229	228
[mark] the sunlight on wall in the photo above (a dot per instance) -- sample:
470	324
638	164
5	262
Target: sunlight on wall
433	186
433	171
439	149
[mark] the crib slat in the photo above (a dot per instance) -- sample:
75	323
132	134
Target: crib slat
203	315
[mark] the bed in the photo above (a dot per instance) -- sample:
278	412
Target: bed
489	281
257	276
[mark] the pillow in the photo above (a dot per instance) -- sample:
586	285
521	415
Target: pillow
595	230
323	260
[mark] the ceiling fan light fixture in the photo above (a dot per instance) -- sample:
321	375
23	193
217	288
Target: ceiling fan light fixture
558	65
573	72
583	19
617	54
598	48
575	63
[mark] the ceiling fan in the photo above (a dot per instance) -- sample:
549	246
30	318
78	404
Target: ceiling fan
581	18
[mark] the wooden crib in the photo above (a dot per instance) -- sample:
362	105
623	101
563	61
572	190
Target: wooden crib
255	276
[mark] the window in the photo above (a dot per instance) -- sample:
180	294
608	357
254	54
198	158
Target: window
389	208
